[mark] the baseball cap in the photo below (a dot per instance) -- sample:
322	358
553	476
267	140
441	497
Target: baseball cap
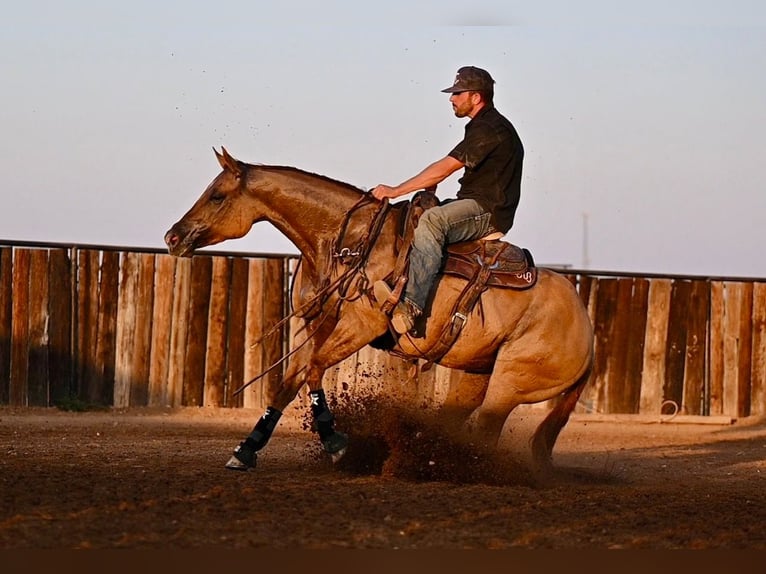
470	78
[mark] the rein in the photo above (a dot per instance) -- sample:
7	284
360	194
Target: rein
354	260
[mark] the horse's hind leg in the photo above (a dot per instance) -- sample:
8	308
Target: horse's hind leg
466	392
547	432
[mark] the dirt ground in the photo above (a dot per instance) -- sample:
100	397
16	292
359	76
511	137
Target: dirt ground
152	478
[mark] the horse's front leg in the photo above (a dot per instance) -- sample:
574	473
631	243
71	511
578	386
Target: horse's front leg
306	366
246	453
333	442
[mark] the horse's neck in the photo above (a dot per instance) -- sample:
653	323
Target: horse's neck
308	210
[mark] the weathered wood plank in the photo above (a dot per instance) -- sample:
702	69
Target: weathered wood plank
758	376
618	395
737	352
106	343
142	338
655	348
745	351
126	329
20	329
60	300
37	383
696	345
179	333
199	304
717	336
675	357
584	286
587	402
603	323
86	380
273	312
235	369
6	314
634	357
217	328
162	317
254	356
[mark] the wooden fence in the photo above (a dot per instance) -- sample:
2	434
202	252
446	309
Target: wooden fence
127	327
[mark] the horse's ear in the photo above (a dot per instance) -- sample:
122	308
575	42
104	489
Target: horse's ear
227	162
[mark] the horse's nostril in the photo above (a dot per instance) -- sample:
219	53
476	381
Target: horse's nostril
171	239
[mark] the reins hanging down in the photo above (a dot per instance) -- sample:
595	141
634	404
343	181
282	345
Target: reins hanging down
340	284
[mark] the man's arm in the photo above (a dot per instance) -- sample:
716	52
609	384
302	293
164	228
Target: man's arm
431	175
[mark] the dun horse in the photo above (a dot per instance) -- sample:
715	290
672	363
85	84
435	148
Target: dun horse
515	346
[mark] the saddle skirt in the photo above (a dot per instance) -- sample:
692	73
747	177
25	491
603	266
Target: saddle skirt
505	265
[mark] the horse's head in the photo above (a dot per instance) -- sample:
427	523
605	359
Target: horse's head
217	215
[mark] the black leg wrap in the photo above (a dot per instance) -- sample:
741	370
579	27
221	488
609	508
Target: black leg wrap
323	418
260	435
332	441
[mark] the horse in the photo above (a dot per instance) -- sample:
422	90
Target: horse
516	347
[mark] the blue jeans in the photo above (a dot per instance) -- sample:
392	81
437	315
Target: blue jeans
453	221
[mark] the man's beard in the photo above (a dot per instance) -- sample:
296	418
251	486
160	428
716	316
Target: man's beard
460	112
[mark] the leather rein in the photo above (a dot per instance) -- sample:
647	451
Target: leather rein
355	260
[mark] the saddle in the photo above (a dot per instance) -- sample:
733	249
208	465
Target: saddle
506	264
483	263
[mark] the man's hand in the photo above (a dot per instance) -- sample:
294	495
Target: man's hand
383	191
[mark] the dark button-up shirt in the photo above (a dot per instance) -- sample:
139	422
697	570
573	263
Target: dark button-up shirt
493	155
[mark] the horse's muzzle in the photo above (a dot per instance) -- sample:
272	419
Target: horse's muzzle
179	244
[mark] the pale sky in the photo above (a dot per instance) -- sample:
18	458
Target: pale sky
643	123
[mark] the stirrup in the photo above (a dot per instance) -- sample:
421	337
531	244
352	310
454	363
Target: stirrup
387	298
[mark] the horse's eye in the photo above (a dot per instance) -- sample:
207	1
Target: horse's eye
217	198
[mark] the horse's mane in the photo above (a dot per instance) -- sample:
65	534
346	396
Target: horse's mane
285	168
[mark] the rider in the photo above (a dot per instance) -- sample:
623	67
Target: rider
492	155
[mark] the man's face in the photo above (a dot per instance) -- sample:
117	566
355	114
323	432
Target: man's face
463	103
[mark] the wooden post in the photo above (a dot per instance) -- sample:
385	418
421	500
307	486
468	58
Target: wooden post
675	358
696	346
235	370
606	303
6	314
254	363
737	351
758	377
217	328
38	329
179	333
126	330
139	389
273	312
60	300
20	329
653	371
717	337
162	322
639	304
194	372
87	381
106	343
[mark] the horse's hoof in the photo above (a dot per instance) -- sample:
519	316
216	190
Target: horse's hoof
336	456
336	443
235	464
243	458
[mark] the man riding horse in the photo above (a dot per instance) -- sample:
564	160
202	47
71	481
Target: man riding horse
492	154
